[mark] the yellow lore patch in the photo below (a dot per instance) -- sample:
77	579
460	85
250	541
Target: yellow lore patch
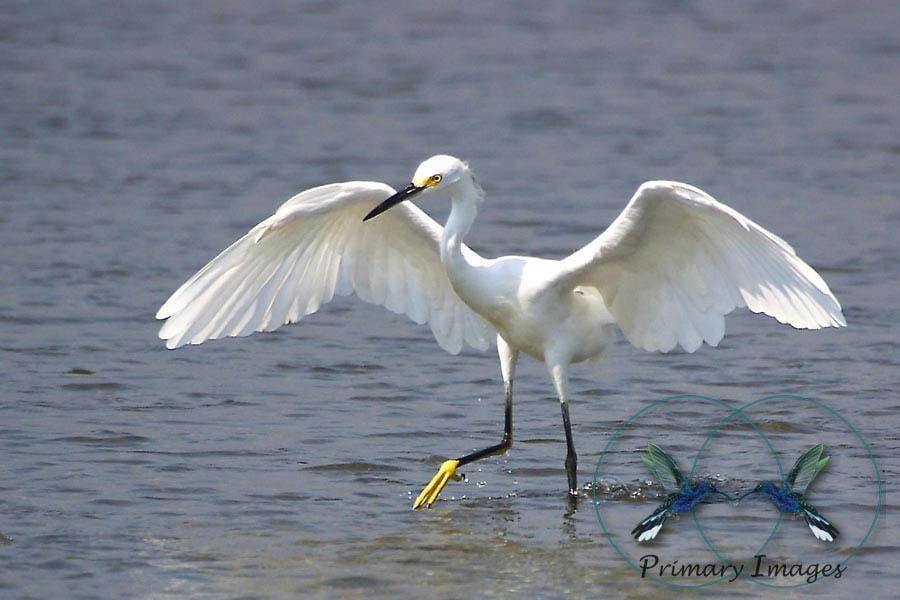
428	182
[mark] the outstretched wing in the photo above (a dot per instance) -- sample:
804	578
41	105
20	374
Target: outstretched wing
663	467
807	468
676	261
315	246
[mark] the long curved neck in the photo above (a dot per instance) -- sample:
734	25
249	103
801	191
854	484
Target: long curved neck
465	195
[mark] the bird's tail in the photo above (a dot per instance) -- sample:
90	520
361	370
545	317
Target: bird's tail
820	526
647	529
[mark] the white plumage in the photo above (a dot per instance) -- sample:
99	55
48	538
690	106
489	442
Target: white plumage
665	272
676	261
315	246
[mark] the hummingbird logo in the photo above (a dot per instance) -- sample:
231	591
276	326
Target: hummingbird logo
683	495
789	496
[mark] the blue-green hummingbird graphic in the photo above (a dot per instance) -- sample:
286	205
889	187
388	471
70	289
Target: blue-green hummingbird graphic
683	495
788	497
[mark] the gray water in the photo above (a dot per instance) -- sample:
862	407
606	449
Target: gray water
141	139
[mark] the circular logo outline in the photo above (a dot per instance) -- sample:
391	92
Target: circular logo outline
740	411
879	485
608	535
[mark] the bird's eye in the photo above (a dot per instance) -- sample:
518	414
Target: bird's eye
436	179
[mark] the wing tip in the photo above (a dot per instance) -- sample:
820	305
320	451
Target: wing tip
173	339
171	342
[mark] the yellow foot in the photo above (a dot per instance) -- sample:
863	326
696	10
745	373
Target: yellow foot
431	491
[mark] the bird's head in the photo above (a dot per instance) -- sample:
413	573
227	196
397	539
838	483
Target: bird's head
436	173
439	171
704	486
766	487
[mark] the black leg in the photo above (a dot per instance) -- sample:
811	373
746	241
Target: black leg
571	457
504	444
430	493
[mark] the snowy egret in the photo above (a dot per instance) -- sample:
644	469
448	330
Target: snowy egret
665	273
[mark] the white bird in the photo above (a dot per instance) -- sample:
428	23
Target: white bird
665	273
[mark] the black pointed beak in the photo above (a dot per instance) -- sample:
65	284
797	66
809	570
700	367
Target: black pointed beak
404	194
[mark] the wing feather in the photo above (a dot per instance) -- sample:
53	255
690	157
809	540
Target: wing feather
315	246
663	467
676	261
807	468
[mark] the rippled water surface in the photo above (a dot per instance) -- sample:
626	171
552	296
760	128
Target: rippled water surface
141	138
